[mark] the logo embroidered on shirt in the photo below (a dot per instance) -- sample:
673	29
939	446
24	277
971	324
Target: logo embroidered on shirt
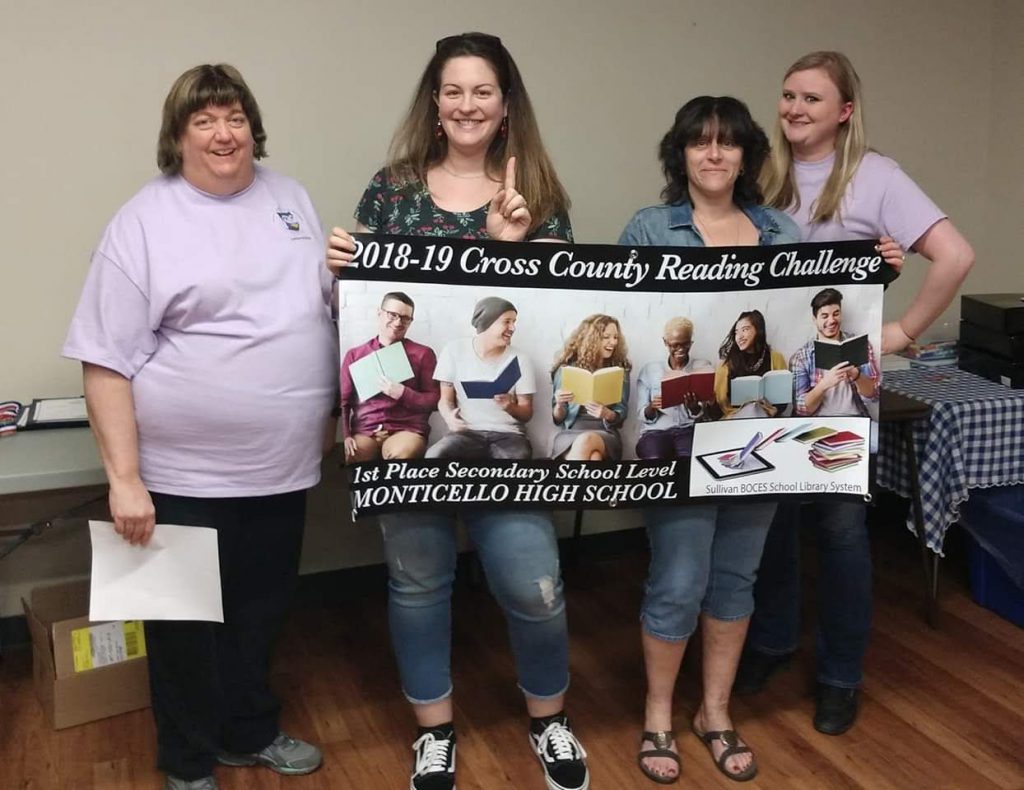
290	220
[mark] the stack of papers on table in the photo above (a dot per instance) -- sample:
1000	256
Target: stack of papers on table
54	413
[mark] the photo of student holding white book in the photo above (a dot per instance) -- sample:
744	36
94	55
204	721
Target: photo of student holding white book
388	391
745	352
590	430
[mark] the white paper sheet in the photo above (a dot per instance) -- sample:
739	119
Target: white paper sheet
60	409
176	576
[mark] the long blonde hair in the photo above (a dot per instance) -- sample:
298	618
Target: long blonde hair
415	147
583	348
776	179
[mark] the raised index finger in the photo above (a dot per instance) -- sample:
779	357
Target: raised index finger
510	173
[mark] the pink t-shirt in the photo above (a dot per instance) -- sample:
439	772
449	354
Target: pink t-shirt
217	310
881	200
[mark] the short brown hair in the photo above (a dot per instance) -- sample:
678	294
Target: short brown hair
198	88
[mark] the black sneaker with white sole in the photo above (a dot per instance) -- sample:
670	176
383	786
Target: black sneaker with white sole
561	755
434	768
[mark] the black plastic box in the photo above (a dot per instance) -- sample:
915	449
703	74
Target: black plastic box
1001	312
1009	347
991	367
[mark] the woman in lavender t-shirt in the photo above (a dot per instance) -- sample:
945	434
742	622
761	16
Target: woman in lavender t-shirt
205	337
822	173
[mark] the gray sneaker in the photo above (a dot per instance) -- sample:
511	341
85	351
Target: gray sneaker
285	755
174	783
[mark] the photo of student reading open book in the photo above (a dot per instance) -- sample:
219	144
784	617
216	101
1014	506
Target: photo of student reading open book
835	374
485	427
388	390
590	391
752	379
673	392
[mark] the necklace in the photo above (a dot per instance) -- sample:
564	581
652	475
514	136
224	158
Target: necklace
471	176
708	241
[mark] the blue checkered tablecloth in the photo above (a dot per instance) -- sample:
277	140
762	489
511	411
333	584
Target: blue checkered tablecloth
974	438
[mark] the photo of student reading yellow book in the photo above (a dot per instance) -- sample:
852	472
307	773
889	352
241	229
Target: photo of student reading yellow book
603	386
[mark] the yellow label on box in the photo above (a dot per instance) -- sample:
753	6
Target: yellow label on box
110	643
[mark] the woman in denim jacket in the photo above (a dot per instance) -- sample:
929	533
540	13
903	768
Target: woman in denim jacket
704	557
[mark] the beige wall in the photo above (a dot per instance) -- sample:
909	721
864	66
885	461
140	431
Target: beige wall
83	84
1000	249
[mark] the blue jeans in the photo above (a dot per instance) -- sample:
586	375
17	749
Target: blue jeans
844	589
519	554
703	558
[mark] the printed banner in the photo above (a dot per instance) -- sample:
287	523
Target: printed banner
525	375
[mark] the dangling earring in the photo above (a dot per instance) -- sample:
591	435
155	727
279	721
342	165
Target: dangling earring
438	131
503	131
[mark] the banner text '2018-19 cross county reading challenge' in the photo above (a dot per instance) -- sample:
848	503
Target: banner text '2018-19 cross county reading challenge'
613	267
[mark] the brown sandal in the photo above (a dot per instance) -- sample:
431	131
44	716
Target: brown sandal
730	740
662	740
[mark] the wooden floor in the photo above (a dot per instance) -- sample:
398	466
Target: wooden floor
942	708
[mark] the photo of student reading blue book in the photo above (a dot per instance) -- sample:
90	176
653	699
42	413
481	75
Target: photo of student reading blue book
505	381
590	391
485	426
752	379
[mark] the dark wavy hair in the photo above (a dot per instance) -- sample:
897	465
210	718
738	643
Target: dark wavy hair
742	363
825	297
416	148
725	119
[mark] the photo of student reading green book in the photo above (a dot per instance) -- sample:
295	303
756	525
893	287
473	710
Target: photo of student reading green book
745	354
590	427
388	391
493	427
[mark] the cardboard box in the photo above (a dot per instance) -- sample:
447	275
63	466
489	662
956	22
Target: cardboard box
71	697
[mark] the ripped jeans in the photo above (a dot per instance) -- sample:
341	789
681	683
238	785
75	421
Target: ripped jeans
519	554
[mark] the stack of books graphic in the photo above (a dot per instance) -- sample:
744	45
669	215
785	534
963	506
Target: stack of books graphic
837	451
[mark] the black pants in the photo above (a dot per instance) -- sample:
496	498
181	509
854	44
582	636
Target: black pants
209	680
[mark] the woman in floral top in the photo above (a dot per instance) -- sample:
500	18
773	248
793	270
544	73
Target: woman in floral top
468	162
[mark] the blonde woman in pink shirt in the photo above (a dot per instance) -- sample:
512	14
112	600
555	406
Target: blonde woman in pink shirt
822	173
